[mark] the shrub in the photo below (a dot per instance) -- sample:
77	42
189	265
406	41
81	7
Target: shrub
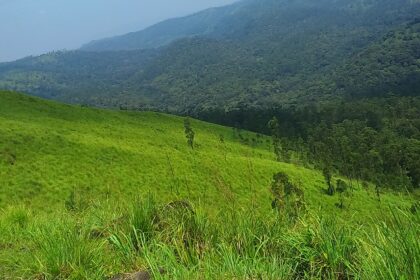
342	189
189	133
328	176
288	197
324	250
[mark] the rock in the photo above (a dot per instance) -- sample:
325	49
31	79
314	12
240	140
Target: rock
142	275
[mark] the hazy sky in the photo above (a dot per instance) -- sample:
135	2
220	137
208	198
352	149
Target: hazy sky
30	27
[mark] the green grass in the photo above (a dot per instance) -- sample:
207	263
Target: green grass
85	194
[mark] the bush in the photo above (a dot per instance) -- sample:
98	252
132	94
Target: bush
342	189
288	197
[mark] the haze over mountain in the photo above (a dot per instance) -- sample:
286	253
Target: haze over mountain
205	23
254	53
30	27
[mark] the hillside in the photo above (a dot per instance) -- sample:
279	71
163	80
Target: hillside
76	181
255	54
49	148
250	19
391	65
75	76
165	32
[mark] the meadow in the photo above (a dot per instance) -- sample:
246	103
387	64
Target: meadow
99	194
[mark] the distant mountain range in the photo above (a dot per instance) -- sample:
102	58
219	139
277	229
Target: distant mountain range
252	53
207	22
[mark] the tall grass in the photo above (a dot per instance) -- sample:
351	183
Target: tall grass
63	251
392	249
54	247
185	243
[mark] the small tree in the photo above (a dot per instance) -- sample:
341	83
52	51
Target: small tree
342	189
288	198
378	192
377	188
189	133
274	126
221	138
327	175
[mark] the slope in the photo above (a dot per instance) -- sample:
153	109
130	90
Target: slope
49	149
391	65
76	202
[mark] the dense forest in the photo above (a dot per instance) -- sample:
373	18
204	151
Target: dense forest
376	139
255	53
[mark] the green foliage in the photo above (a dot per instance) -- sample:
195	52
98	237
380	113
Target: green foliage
189	133
328	176
71	202
62	251
280	150
328	250
342	189
288	197
218	247
17	217
396	247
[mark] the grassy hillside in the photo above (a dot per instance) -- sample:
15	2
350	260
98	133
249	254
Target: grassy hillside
50	149
85	194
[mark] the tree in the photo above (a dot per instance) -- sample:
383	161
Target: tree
342	189
327	175
288	197
279	149
189	133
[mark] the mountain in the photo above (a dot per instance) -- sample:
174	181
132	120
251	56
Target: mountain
254	18
255	54
91	194
163	33
391	65
75	76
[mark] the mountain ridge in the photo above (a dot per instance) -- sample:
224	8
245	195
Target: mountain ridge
212	22
166	31
276	52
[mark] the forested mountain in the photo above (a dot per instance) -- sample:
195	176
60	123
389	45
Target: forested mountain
254	54
261	18
202	23
75	76
391	65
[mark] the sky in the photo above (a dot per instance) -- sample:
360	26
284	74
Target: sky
33	27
